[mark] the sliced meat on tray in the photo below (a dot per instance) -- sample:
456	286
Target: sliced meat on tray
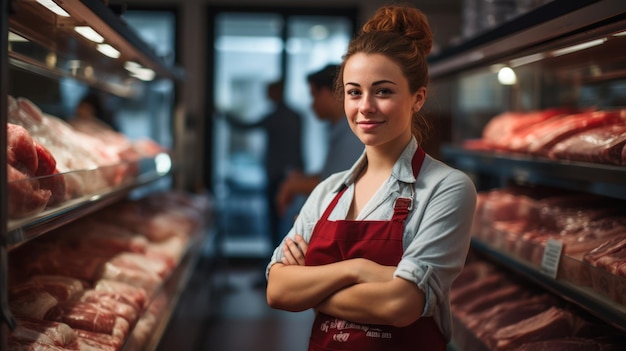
598	145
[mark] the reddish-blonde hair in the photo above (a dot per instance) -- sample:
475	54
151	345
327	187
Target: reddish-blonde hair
402	34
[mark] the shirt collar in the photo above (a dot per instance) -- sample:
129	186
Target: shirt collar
402	169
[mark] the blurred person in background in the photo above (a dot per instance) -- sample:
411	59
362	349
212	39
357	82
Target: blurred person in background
91	108
283	155
343	149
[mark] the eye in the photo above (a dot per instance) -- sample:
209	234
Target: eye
353	92
384	91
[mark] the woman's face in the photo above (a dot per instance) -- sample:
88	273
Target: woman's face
378	103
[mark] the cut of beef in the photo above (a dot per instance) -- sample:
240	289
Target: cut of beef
553	323
88	316
100	339
61	287
598	145
25	197
33	303
543	138
54	333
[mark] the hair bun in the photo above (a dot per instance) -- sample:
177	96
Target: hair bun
406	21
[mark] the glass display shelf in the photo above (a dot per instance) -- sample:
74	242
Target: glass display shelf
109	56
540	26
600	179
588	298
82	192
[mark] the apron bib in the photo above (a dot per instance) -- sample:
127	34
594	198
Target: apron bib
379	241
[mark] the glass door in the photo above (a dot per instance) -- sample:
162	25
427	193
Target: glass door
250	50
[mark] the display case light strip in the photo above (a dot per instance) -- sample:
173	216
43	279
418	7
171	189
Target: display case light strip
578	47
139	72
620	34
52	6
526	60
108	50
14	38
89	33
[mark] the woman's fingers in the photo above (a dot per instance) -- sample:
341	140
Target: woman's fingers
292	252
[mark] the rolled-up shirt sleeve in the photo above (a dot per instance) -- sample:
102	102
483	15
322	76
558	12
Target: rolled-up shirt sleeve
437	236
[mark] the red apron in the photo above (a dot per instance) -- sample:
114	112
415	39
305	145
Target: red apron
380	241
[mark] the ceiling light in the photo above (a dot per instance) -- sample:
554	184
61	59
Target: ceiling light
506	76
145	74
108	50
89	33
52	6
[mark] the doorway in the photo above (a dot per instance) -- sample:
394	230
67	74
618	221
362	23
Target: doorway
250	48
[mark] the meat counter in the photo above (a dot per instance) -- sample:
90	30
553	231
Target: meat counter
85	230
537	107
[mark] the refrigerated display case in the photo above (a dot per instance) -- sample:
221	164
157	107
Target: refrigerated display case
48	43
563	55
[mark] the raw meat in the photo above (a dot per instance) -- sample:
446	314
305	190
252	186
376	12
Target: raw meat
21	151
23	345
487	322
598	145
88	316
544	137
463	295
54	333
553	323
491	298
501	128
25	196
136	294
61	287
99	338
92	295
571	344
34	303
109	303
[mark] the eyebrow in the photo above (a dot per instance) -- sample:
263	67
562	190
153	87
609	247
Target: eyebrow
378	82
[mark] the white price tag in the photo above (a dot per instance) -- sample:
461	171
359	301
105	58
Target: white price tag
551	257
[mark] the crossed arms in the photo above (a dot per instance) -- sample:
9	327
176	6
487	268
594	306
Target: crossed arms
358	290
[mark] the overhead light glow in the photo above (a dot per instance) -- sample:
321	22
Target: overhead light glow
108	50
526	60
145	74
52	6
578	47
139	72
163	163
89	33
506	76
14	38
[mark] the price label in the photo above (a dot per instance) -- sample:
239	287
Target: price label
551	258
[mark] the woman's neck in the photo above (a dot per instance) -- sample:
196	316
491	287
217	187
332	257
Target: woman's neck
381	158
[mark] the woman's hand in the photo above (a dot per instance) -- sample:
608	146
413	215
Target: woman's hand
370	272
294	251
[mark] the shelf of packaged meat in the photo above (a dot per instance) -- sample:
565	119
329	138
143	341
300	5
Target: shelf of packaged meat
38	205
110	280
597	178
61	170
571	243
493	308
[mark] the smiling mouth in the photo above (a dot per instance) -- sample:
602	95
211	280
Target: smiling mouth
369	122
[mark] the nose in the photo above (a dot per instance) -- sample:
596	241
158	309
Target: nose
367	105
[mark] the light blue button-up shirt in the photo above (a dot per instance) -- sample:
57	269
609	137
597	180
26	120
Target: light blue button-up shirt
436	234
